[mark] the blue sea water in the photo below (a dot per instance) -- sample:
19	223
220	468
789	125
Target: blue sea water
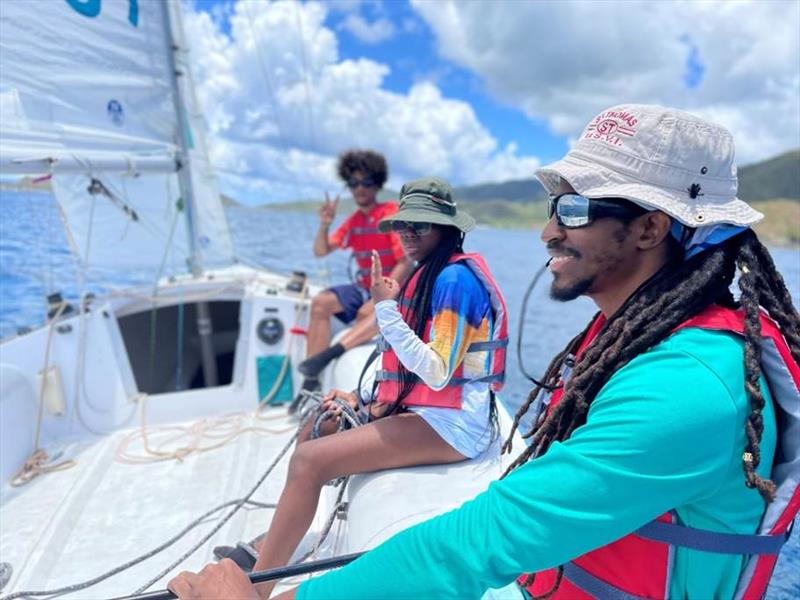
35	261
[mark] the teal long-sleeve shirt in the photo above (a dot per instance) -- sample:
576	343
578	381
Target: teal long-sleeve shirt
666	432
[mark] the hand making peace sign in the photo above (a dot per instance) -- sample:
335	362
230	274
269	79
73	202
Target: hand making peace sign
382	288
327	212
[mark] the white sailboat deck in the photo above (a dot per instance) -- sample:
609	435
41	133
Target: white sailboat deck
72	525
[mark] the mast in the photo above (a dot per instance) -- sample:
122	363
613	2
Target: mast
180	81
181	85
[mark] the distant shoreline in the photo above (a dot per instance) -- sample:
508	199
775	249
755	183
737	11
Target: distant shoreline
780	227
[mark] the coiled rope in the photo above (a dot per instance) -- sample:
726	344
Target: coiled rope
311	408
39	461
206	434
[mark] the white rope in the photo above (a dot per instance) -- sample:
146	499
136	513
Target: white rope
313	402
176	442
39	461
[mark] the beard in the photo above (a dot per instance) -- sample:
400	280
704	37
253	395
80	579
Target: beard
570	292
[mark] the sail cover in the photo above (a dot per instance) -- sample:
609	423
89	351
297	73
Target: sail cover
88	94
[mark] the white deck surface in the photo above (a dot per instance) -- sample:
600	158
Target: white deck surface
70	526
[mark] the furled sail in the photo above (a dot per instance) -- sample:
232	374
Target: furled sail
88	94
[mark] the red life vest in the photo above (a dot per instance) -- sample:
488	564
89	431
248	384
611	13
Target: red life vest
639	564
362	236
450	395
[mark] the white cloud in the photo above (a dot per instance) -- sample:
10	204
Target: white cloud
565	61
378	31
281	104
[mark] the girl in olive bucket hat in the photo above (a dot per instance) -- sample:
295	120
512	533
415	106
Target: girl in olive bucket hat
442	353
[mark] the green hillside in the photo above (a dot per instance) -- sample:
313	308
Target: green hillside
519	190
778	177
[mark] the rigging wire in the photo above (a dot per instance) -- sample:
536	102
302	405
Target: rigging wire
521	329
306	83
270	91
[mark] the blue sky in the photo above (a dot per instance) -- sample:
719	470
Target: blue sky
413	56
484	90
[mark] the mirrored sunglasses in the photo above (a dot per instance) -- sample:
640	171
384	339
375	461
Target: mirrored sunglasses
417	228
573	210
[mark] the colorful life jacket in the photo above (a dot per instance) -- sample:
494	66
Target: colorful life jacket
364	236
449	396
639	564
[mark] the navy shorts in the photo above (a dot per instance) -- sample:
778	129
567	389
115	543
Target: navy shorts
351	297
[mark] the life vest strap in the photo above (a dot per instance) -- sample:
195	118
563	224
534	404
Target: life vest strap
383	375
712	541
487	345
597	588
368	253
365	271
383	345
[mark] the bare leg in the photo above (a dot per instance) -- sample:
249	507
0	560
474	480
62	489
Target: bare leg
364	329
396	441
323	306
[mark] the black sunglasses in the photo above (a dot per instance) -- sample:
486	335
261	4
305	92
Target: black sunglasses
418	228
573	210
365	182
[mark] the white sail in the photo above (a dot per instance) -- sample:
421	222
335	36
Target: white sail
86	77
211	244
88	94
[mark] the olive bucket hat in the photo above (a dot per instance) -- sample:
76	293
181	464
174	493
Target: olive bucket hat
429	200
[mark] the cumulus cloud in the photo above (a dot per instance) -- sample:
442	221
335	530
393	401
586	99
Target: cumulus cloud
735	62
370	33
280	104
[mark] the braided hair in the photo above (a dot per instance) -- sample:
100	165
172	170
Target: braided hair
418	311
679	291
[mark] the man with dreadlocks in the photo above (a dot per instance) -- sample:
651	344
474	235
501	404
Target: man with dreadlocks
665	459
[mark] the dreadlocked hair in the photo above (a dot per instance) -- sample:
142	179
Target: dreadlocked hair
418	312
676	293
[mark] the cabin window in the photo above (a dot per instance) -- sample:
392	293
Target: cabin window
165	351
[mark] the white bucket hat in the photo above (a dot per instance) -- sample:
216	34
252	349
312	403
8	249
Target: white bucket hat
660	158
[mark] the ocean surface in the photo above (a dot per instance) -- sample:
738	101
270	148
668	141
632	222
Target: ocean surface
35	261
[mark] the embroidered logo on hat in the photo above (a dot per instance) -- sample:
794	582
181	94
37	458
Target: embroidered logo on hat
610	125
661	158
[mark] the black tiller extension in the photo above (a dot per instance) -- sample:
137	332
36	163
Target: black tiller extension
262	576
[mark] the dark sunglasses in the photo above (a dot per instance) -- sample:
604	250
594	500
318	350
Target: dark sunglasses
573	210
365	182
418	228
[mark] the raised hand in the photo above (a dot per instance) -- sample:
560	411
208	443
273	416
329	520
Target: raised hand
382	288
327	212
